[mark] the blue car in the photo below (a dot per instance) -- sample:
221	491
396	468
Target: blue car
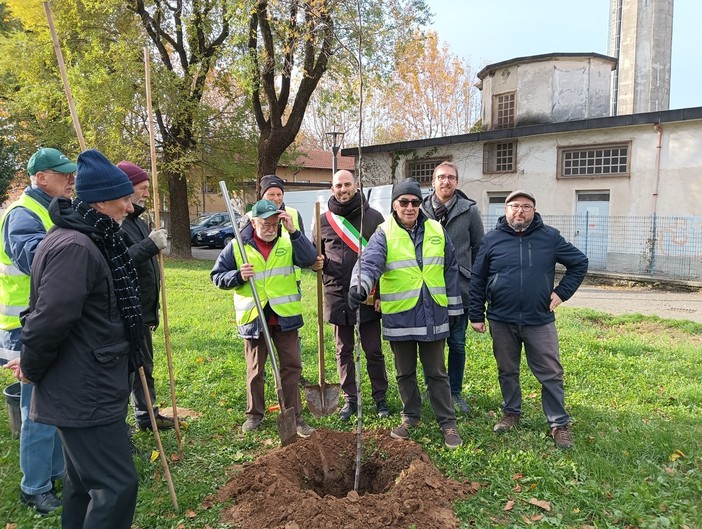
205	222
217	237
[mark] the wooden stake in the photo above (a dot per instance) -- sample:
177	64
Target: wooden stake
157	219
66	84
157	435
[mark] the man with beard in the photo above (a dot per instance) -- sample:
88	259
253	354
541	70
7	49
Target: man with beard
340	227
514	272
144	245
269	263
460	217
81	335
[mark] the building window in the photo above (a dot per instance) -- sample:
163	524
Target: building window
504	111
500	157
422	170
598	160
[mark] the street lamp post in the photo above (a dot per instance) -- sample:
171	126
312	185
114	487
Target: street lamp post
336	138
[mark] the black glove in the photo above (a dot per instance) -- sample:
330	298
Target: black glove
356	298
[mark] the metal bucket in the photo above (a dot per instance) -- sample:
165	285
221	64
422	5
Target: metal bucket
12	398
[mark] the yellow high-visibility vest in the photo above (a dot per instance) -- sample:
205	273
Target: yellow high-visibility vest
14	284
401	283
275	283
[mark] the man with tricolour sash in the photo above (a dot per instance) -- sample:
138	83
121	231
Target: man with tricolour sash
340	227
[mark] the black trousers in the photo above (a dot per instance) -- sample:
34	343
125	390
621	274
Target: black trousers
100	485
141	410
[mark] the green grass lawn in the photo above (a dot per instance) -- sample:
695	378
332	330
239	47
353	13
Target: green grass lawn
633	387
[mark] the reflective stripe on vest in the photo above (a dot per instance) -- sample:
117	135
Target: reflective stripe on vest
275	283
401	283
14	284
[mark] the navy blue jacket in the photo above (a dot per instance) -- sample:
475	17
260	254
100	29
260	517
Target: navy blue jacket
514	273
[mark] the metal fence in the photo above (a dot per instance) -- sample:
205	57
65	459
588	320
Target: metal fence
665	247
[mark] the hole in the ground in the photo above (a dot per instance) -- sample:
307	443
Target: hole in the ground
339	481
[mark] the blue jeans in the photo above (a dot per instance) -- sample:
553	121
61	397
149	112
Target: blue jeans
41	452
457	353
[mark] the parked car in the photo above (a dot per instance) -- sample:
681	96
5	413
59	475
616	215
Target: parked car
205	222
216	237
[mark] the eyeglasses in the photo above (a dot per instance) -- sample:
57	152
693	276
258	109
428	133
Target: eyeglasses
446	177
268	226
405	202
523	207
67	176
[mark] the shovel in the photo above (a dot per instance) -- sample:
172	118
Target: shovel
287	425
322	398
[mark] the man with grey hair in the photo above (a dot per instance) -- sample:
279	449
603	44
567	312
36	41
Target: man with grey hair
23	226
460	217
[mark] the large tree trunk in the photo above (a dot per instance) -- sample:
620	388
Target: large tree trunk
179	216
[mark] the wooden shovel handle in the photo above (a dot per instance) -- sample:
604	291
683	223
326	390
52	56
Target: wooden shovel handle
320	301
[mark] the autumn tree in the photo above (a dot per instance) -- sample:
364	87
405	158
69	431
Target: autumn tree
431	94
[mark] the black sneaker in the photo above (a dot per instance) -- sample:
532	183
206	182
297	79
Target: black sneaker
460	404
383	409
349	409
45	503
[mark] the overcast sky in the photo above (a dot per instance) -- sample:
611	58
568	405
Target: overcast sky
488	32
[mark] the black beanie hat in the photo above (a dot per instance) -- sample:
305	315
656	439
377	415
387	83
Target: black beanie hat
271	180
98	180
408	186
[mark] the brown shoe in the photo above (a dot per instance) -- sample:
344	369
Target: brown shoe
506	423
562	437
402	432
451	438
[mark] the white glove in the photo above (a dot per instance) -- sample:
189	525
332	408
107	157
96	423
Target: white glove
160	238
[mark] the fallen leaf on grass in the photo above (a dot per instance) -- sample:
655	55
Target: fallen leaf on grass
154	455
526	519
546	506
670	471
509	505
175	458
517	476
10	526
190	514
517	488
677	455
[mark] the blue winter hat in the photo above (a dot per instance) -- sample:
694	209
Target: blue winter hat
98	180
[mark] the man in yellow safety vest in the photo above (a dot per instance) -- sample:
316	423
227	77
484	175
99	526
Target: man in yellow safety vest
270	263
420	299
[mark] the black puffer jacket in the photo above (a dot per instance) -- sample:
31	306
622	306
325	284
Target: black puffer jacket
339	261
143	252
514	272
75	346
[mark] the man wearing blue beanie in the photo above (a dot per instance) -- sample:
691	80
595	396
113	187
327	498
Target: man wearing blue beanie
81	337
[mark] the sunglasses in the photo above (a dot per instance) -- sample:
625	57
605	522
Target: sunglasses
405	202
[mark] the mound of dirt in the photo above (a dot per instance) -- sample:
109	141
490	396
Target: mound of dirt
309	484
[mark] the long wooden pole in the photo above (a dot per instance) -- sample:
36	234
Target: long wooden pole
157	218
64	76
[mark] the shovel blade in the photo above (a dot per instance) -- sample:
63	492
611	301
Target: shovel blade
287	426
322	400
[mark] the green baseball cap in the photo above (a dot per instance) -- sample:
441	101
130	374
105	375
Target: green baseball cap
47	158
264	209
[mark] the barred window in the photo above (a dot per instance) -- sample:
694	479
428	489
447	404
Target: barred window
504	111
500	157
599	160
422	170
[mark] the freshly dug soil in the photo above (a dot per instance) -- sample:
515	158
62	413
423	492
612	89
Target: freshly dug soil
309	484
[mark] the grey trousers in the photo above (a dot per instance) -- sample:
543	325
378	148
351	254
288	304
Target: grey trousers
543	358
431	354
375	361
